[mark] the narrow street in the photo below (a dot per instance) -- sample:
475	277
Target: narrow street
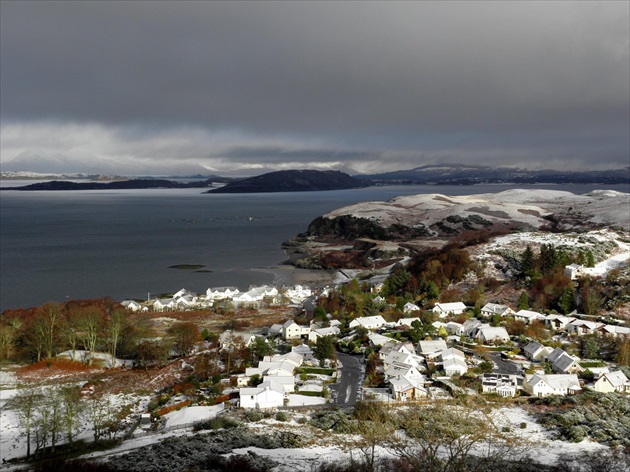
351	373
503	366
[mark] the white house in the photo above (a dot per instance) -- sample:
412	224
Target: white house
563	363
582	327
502	384
266	395
471	326
403	371
282	368
577	271
558	322
445	309
614	330
393	345
536	352
491	309
317	333
221	293
298	293
377	340
491	334
291	357
431	348
292	330
134	306
542	385
454	362
410	307
455	329
368	322
287	383
401	357
613	382
407	389
163	304
256	294
528	316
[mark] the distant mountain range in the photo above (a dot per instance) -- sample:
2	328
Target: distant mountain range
114	185
293	181
468	175
314	180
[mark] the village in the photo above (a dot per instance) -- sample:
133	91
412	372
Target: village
525	365
316	356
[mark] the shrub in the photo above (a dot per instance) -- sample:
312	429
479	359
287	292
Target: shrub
281	416
254	416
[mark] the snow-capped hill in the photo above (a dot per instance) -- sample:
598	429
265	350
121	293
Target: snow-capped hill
387	231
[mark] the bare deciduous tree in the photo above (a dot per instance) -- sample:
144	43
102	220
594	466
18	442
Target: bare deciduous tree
26	403
451	437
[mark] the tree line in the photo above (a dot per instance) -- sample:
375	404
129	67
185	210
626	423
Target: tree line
84	327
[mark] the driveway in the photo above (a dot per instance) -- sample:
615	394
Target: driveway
503	366
350	378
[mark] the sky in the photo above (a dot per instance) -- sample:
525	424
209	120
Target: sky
243	88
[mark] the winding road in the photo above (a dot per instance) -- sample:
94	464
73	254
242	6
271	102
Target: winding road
349	380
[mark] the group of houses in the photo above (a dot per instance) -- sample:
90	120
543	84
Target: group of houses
404	365
187	300
272	382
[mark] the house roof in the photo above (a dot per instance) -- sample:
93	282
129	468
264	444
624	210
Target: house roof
617	378
379	339
556	381
272	386
369	321
493	332
564	362
402	370
495	308
530	315
499	379
555	354
453	352
451	362
411	307
449	306
431	346
532	348
330	331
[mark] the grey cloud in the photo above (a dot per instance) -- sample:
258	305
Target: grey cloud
361	79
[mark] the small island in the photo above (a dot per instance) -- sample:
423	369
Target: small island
293	181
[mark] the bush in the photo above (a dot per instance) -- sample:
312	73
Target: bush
336	420
219	422
254	416
281	416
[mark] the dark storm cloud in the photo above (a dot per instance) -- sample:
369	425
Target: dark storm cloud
358	81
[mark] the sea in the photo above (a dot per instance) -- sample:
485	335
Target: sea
127	244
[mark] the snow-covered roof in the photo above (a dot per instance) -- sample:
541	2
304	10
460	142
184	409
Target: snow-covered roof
431	346
616	378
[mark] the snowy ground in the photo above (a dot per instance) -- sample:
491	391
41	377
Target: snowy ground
333	449
100	358
544	449
192	414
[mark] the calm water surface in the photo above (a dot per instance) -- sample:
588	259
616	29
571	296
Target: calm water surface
85	244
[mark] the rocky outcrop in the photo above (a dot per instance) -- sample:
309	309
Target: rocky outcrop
372	234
